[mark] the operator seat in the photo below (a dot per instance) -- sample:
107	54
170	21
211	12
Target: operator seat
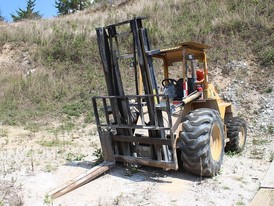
179	89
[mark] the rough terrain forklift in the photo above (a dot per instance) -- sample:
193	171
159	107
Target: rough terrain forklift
152	126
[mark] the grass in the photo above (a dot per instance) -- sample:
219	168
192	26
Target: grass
68	70
240	202
117	200
3	132
271	158
257	141
270	129
54	143
269	90
99	156
75	157
66	127
33	127
131	169
256	153
49	168
231	154
226	188
48	200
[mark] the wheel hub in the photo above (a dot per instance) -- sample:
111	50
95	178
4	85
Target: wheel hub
216	143
241	137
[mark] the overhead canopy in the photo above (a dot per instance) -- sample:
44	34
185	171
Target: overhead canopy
175	54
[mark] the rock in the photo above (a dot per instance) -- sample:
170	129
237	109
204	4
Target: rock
234	65
9	194
268	111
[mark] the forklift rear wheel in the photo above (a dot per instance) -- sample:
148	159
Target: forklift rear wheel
236	132
202	142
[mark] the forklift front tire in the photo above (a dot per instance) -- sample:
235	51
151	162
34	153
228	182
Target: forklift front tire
202	142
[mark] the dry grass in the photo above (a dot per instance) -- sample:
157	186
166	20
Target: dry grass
68	70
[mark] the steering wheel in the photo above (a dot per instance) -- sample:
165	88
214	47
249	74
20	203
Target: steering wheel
168	82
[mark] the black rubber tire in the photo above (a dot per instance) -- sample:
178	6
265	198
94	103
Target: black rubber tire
236	132
195	142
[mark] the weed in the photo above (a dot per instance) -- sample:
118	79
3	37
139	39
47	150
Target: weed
3	132
30	153
116	201
240	202
60	151
259	141
131	169
6	142
75	157
256	153
226	188
268	90
99	156
93	131
267	55
67	126
73	109
271	158
221	171
270	129
54	143
48	200
231	154
33	127
262	127
49	168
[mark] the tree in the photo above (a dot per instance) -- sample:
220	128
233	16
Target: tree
1	17
70	6
29	13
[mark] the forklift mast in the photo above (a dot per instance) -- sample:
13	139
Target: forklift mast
107	38
124	115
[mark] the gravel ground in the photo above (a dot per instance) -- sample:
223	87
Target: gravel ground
35	162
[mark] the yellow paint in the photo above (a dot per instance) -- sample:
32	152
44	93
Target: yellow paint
178	54
216	143
140	79
205	72
155	98
212	94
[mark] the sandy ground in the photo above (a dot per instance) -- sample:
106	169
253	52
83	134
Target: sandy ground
33	170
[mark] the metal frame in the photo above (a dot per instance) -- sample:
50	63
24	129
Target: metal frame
119	139
111	139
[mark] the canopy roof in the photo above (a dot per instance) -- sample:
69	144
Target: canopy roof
171	55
